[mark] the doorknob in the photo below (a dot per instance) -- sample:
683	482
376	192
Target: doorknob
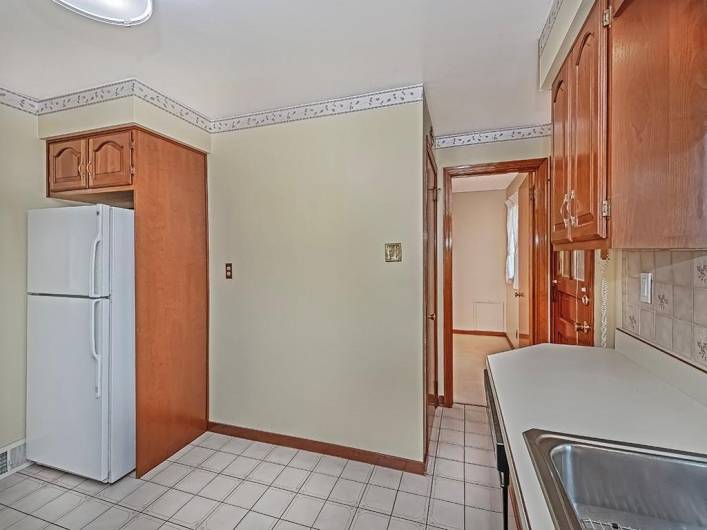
432	316
584	327
518	294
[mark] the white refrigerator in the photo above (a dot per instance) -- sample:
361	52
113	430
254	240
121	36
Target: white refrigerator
81	340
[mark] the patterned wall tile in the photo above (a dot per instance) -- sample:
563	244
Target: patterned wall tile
676	318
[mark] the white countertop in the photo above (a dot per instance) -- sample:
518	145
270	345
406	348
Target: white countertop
591	392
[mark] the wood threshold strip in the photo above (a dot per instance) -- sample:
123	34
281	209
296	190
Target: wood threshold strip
479	332
342	451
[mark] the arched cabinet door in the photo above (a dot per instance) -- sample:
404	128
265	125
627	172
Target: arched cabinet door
559	202
109	160
588	114
66	165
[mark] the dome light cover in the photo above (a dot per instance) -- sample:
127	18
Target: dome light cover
118	12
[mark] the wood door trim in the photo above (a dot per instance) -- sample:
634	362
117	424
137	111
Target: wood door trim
429	394
342	451
537	170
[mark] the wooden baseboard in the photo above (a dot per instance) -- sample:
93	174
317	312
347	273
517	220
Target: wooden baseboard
508	339
342	451
479	332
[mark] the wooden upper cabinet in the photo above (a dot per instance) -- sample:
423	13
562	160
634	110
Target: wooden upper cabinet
659	124
109	159
66	165
579	138
559	216
588	102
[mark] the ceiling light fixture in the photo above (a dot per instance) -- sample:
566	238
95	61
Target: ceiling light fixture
118	12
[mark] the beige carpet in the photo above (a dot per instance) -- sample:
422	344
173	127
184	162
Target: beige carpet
470	352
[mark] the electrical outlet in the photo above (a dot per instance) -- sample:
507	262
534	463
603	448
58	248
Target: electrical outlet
229	271
646	287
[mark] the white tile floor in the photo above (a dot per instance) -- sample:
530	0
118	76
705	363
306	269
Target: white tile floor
220	482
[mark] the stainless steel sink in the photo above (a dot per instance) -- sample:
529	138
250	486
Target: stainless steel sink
599	484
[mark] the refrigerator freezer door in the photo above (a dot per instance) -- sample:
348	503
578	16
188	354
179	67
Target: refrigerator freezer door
67	395
68	251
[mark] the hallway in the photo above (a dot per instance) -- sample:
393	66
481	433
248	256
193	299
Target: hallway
470	352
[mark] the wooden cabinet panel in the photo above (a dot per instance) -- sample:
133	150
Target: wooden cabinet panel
109	159
66	165
588	129
659	125
171	298
560	160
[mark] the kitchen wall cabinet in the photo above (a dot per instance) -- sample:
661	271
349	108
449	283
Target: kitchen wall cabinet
110	159
165	183
66	161
89	161
659	124
629	129
579	114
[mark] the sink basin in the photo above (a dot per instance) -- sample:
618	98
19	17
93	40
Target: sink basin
600	484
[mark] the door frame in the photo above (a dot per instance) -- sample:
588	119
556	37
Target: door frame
539	178
430	395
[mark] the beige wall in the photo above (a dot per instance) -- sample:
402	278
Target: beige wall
479	231
468	155
316	336
21	187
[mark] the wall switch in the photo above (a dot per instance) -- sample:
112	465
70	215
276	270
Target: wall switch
393	252
229	271
646	287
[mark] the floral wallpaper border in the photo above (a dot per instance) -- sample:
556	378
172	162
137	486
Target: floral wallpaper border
499	135
18	101
136	88
549	24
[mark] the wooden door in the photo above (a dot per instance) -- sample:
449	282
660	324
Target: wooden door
430	287
588	100
559	175
171	298
66	165
525	246
109	160
573	297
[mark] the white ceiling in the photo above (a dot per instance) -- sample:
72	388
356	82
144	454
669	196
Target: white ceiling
482	182
476	58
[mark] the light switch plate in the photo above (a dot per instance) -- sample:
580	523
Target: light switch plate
393	252
646	287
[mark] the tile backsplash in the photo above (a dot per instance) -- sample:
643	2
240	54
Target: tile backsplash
676	318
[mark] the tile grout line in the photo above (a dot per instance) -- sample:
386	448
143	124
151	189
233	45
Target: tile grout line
217	449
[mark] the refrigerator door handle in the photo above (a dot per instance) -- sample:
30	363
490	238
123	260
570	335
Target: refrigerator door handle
94	352
94	254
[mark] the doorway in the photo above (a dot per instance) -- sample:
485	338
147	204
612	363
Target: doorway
496	294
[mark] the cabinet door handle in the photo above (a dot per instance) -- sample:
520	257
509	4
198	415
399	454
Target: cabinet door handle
572	201
563	209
